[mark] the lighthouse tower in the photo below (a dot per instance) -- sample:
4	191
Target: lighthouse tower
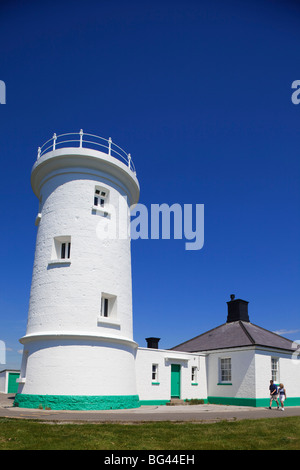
79	351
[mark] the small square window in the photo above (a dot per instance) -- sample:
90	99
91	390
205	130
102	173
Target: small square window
108	306
100	197
61	250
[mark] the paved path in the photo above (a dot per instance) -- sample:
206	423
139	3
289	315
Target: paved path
193	413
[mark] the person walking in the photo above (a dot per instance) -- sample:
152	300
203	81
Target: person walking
282	395
273	394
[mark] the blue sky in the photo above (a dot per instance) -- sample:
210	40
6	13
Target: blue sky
199	92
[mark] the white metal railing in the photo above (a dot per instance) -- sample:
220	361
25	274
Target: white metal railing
85	140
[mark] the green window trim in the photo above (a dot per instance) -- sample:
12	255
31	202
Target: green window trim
224	383
194	383
155	383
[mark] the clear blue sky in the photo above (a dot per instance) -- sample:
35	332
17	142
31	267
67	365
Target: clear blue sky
199	92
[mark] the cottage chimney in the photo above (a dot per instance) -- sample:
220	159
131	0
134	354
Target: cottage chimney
237	310
152	342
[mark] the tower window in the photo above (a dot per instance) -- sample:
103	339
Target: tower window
105	307
61	250
108	306
65	251
100	197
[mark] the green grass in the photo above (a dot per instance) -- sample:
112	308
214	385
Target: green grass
263	434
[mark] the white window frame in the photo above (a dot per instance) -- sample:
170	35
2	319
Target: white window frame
225	370
108	306
108	317
100	202
194	373
275	369
61	250
154	373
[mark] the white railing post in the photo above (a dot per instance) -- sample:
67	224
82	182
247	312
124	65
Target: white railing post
54	141
129	160
80	141
39	152
109	146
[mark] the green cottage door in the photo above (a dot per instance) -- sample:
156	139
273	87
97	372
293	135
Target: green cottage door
12	386
175	381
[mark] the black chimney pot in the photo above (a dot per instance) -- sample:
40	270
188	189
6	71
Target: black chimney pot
237	310
152	342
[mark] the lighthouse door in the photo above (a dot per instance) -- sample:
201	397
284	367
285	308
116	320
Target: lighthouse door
175	381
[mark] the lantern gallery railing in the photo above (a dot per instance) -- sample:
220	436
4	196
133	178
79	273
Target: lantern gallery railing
82	140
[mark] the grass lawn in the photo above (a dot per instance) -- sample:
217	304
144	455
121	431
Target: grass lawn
263	434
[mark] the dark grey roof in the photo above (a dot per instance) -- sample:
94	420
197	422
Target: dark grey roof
234	335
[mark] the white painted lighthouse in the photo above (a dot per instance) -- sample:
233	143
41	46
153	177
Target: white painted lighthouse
79	351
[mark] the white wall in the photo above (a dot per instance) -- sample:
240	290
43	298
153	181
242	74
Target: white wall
146	357
289	373
242	370
68	297
251	373
79	367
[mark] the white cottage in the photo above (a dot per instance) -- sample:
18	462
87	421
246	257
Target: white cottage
238	360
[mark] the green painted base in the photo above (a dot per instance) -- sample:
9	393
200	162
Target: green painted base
154	402
164	402
255	402
77	402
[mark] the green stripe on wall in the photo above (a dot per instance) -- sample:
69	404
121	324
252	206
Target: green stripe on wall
154	402
256	402
77	402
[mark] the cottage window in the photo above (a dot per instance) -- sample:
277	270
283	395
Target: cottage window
225	370
275	369
194	375
154	372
